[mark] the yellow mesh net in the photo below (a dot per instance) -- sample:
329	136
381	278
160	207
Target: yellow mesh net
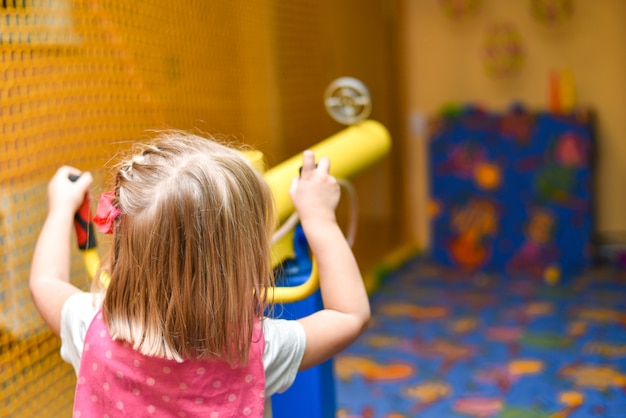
81	79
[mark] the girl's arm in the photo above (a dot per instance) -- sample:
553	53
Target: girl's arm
50	268
346	304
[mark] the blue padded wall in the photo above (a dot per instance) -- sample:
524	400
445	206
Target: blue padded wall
512	192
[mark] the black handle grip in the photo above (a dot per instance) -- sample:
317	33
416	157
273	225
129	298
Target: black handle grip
83	225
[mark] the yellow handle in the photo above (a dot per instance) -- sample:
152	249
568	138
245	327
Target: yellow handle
92	262
288	294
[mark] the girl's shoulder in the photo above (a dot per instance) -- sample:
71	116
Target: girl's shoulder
76	316
283	331
285	341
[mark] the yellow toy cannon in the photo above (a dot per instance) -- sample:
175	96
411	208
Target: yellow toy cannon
350	151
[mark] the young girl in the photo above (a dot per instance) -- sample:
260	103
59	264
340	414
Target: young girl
180	331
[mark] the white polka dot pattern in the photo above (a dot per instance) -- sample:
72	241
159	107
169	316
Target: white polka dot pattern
119	380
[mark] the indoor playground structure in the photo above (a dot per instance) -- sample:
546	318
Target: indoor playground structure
478	146
80	80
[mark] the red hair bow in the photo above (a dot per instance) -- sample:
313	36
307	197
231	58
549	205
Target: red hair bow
106	213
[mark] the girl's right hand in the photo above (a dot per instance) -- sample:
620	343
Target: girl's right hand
49	280
316	193
64	194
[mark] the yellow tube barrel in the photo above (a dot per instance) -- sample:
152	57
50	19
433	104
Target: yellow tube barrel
350	151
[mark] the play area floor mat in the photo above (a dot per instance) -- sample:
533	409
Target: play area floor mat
443	344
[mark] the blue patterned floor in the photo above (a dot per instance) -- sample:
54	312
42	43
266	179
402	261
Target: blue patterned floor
448	345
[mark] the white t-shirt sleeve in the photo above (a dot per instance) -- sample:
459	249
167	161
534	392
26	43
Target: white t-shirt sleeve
285	341
76	316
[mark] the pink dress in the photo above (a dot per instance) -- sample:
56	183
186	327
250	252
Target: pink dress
116	381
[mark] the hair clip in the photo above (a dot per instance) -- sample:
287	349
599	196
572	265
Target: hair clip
106	213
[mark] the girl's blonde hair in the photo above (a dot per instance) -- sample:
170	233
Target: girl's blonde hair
190	258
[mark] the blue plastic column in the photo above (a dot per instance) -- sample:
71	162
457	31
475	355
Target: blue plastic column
312	394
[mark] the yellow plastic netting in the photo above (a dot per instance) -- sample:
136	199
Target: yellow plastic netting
80	80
